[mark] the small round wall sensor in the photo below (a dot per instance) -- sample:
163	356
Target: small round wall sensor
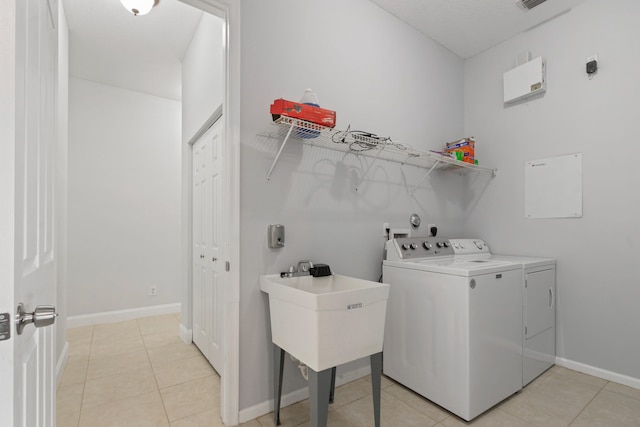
415	220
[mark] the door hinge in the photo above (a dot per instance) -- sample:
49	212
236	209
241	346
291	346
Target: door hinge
525	330
525	283
227	266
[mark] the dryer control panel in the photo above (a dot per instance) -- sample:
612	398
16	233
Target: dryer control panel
411	248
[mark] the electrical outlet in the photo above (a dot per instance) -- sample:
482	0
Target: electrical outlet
385	229
429	229
153	291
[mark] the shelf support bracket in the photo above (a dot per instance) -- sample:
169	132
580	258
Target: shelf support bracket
273	165
370	165
424	177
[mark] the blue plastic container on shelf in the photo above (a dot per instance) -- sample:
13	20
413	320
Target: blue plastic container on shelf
309	98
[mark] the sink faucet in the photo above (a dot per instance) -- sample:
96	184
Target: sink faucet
302	269
305	266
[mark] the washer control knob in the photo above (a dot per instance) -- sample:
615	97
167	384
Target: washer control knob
413	246
440	244
479	243
427	245
405	246
445	244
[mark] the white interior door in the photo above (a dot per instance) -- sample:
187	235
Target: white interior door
208	264
28	269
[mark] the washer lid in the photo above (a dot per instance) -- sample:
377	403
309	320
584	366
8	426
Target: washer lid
463	267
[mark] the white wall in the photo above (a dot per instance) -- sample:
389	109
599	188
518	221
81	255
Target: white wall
61	178
380	76
124	198
202	75
597	285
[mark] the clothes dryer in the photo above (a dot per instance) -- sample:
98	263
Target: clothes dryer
538	302
539	314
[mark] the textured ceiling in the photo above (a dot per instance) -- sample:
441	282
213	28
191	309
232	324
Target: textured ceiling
107	44
467	27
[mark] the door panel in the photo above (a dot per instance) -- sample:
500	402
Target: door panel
207	253
200	330
34	282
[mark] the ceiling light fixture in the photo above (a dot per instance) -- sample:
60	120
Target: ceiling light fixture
139	7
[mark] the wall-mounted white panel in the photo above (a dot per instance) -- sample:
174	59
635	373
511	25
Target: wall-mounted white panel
525	80
553	187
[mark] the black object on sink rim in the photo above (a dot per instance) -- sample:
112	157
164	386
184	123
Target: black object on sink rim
320	270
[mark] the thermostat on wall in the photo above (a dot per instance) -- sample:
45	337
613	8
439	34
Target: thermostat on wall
525	80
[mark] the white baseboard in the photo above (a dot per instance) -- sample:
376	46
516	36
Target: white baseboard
121	315
186	334
598	372
62	362
351	376
265	407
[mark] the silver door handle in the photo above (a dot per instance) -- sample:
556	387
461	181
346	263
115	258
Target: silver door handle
43	315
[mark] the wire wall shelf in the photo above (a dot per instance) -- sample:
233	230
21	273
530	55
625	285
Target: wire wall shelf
369	145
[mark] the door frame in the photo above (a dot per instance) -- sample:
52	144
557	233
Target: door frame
7	192
229	10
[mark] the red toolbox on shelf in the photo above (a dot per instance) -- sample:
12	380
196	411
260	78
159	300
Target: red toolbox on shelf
309	113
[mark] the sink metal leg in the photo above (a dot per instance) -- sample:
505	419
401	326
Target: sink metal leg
278	367
376	384
333	384
319	391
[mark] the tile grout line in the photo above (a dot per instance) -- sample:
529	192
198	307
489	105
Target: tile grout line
93	342
588	403
104	403
617	393
194	414
173	385
84	383
497	407
155	379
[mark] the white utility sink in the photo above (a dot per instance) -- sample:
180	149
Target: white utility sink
326	321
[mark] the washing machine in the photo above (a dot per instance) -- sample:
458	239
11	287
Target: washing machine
454	325
539	306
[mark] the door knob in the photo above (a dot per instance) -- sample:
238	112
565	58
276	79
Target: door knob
43	315
201	256
214	259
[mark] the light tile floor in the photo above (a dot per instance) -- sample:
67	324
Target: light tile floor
138	373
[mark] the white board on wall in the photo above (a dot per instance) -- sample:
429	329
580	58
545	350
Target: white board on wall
553	187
